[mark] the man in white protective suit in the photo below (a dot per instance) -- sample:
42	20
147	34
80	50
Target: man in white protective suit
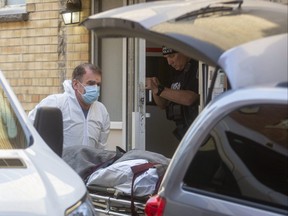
85	119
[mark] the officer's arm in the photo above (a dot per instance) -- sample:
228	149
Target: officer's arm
183	97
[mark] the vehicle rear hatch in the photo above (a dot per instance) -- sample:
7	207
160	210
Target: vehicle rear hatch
205	30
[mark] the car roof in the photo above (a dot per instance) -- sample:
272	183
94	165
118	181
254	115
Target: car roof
204	30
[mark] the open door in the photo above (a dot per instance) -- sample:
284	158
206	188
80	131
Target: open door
159	136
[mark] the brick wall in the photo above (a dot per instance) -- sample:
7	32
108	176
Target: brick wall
37	55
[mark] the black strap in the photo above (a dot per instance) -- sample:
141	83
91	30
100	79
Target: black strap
138	170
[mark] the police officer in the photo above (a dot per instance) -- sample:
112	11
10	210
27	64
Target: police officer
181	99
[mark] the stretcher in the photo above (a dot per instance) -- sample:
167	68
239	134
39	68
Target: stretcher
110	176
111	201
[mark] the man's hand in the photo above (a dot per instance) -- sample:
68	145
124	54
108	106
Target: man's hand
152	84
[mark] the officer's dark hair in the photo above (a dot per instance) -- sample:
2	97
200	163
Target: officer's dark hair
80	70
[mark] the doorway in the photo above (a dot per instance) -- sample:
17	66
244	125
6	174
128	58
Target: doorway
159	136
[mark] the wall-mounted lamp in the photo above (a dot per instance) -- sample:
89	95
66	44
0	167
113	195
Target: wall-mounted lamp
71	13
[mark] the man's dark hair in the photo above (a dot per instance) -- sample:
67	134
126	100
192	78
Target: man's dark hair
80	70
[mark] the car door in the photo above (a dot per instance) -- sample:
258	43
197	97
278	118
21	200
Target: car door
233	160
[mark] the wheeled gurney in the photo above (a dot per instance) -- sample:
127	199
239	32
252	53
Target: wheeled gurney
111	175
112	202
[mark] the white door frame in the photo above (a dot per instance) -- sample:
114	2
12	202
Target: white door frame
139	113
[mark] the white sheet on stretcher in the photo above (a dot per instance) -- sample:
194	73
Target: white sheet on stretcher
119	175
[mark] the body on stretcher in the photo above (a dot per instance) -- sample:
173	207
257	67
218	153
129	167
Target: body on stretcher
134	182
119	182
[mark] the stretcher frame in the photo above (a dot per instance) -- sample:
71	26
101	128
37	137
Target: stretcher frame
111	201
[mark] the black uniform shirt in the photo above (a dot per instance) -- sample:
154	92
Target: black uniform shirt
184	115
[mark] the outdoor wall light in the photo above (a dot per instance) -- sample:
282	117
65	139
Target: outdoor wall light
71	13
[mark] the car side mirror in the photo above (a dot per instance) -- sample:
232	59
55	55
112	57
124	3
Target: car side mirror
49	124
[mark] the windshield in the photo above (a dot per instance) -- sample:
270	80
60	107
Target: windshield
11	132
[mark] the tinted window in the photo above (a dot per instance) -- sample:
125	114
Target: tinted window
246	157
11	132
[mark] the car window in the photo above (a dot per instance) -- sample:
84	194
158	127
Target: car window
245	156
218	83
11	132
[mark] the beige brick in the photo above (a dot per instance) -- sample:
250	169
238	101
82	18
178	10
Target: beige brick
7	33
44	15
35	98
38	32
30	55
73	39
10	42
10	72
40	40
43	57
48	6
47	23
6	50
76	30
42	48
30	7
10	58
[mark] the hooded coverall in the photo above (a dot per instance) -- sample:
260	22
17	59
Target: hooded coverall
78	130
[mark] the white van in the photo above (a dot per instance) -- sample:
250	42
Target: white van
34	180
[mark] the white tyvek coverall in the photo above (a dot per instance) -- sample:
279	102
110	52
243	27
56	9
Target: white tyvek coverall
78	130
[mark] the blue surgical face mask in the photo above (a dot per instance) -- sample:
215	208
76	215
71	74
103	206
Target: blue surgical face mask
91	93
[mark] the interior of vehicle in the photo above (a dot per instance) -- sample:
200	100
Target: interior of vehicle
245	156
11	132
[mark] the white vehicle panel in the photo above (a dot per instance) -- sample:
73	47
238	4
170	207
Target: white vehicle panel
34	180
244	67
